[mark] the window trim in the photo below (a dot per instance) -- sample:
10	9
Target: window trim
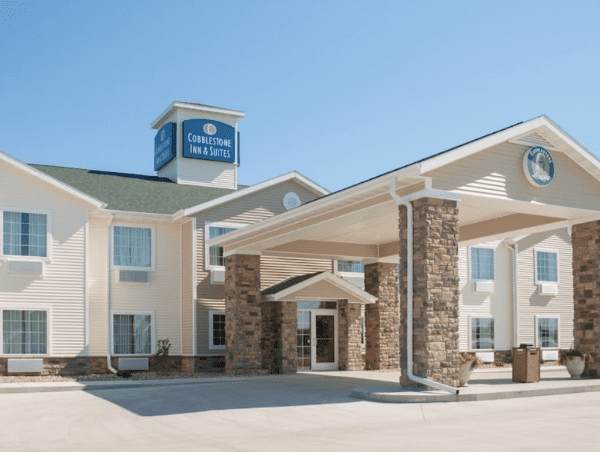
152	332
215	224
351	274
212	312
537	331
152	246
535	266
470	263
19	307
17	209
470	332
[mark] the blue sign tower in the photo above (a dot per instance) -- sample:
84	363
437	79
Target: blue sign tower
209	140
164	145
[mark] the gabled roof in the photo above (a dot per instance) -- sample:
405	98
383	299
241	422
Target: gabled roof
56	182
286	290
134	192
418	170
294	175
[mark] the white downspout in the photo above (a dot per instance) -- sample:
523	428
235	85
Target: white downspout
409	273
108	302
514	249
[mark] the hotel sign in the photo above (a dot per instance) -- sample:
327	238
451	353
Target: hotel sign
208	140
538	166
164	145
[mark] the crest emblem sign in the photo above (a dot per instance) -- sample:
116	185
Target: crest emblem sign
538	166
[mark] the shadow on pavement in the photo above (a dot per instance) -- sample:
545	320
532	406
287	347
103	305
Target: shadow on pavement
268	392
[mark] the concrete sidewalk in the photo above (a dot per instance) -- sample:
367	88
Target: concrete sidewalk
58	386
486	385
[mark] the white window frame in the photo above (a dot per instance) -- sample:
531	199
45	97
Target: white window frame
48	214
215	224
19	307
152	332
352	274
152	245
211	346
470	263
538	317
535	266
470	333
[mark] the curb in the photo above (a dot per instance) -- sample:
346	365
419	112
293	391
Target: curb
375	394
22	388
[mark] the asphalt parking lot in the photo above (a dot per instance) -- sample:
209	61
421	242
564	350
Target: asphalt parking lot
301	412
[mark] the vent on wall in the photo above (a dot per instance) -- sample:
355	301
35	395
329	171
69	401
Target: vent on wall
28	365
133	276
483	286
548	289
133	363
25	268
217	276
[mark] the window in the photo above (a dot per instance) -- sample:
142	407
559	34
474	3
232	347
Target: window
546	266
216	329
24	332
24	234
132	334
214	254
482	264
482	333
547	331
350	266
132	247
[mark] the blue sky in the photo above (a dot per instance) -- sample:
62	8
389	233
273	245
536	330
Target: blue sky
340	91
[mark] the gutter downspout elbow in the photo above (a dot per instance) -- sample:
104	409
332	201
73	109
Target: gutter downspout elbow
409	301
108	302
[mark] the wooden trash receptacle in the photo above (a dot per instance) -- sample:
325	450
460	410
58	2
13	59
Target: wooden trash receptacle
526	365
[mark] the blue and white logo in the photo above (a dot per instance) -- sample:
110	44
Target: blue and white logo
210	129
538	166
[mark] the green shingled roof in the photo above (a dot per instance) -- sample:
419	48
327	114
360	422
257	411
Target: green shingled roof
134	192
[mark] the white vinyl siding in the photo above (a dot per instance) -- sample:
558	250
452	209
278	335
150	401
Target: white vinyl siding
497	172
61	287
496	304
531	303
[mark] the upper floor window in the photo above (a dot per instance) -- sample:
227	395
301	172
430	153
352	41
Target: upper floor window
132	247
24	234
215	256
546	266
482	264
344	266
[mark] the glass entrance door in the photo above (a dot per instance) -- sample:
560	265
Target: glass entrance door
316	334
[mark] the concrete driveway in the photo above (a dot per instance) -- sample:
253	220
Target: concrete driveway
289	413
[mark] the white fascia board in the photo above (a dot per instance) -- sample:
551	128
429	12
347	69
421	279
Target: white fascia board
203	108
304	210
333	279
252	189
585	153
144	216
433	193
52	181
481	144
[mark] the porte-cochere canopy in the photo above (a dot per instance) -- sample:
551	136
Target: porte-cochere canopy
476	192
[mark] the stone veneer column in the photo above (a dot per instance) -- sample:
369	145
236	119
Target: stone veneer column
381	318
279	348
435	289
586	292
349	335
243	314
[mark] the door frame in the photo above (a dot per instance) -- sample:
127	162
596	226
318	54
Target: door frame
313	338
